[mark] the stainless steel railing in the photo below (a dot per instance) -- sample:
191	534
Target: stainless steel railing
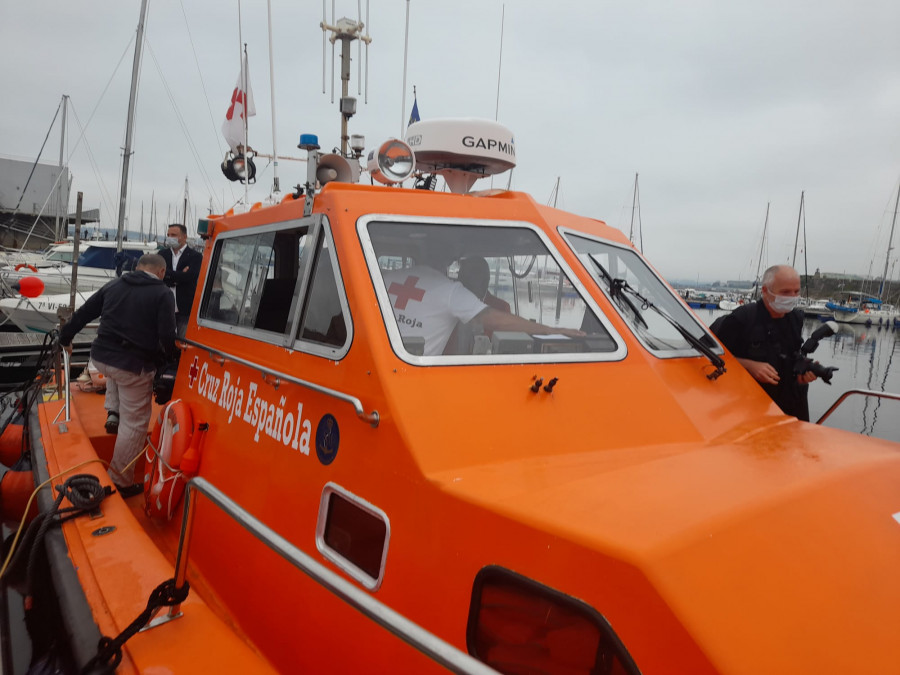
429	644
850	392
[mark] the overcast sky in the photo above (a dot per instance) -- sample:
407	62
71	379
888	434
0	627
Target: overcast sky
721	107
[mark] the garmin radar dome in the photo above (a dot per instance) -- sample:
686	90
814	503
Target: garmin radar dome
462	150
393	162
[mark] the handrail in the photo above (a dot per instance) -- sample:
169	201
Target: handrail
426	642
65	392
372	417
864	392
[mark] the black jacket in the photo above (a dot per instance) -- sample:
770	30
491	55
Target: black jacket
137	322
750	332
185	283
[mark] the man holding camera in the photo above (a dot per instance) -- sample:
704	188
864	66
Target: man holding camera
765	337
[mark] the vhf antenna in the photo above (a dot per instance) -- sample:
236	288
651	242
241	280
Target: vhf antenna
346	30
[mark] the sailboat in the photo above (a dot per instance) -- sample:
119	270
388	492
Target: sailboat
98	263
864	308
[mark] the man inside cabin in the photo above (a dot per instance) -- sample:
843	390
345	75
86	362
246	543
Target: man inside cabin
429	305
136	334
475	274
765	337
182	271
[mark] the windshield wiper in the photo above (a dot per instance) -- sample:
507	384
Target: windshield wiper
618	289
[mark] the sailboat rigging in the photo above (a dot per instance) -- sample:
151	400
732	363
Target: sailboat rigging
801	219
757	285
887	253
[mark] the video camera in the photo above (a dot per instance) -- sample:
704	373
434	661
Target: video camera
804	364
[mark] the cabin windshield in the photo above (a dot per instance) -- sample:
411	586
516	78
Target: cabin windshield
481	293
633	287
61	256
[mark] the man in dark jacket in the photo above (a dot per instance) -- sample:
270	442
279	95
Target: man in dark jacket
137	331
765	336
182	271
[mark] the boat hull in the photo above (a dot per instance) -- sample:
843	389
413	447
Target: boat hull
866	317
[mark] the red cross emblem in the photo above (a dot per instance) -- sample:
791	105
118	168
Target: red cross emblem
193	372
406	291
236	97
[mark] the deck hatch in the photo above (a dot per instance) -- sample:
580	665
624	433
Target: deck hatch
353	534
519	625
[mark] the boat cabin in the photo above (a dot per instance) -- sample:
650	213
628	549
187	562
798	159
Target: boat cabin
494	419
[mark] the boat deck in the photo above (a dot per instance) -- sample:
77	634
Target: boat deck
155	562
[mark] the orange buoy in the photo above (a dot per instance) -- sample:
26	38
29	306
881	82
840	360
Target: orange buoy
11	444
22	266
15	489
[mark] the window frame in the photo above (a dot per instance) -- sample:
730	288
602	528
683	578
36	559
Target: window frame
319	237
336	557
688	352
393	329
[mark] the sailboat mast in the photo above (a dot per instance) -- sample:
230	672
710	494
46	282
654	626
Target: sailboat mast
887	255
129	125
185	214
636	208
797	236
762	246
59	188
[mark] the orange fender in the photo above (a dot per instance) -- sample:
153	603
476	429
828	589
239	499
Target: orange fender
15	490
11	444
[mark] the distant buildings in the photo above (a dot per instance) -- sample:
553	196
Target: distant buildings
34	204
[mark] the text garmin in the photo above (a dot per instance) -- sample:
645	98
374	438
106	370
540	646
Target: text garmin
264	416
507	147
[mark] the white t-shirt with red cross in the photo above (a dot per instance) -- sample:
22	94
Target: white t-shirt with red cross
428	304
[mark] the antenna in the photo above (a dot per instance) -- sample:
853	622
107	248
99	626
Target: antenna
346	30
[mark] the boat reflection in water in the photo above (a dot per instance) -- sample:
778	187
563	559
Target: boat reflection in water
867	358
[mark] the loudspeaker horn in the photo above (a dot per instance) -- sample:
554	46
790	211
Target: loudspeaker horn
334	168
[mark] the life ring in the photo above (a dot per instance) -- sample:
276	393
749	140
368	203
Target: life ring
29	266
164	479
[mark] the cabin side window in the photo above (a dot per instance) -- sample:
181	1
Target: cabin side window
255	281
323	316
482	292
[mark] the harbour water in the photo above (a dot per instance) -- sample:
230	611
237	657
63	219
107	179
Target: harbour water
868	357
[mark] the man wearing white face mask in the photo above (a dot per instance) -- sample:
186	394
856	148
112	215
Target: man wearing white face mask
766	336
182	272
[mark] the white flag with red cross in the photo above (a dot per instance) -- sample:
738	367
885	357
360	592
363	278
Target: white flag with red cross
241	105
